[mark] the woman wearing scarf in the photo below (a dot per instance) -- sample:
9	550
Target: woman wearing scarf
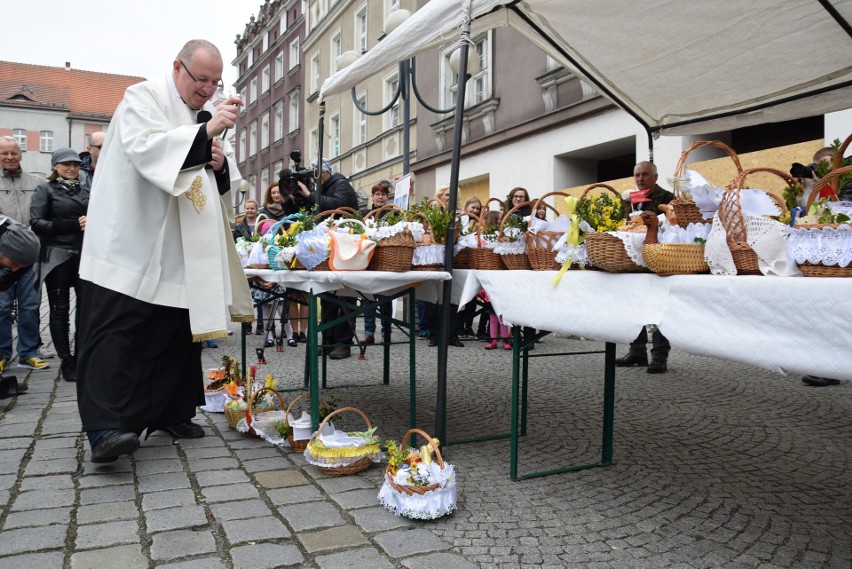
273	203
58	217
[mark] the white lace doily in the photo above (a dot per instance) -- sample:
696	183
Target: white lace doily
427	506
633	242
518	247
821	246
766	236
428	255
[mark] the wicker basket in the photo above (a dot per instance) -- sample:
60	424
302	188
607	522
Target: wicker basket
233	416
428	240
462	259
484	258
685	209
514	261
412	490
273	250
356	466
540	245
300	444
606	252
251	418
667	259
830	179
394	253
731	215
343	212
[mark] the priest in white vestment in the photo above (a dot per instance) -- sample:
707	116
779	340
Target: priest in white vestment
161	270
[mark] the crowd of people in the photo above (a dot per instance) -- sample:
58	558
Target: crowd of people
144	311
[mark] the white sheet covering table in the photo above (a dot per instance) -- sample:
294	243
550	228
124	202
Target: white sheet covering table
784	324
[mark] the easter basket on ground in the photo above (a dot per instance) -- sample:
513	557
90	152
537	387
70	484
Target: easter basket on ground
298	431
221	382
341	453
415	486
262	423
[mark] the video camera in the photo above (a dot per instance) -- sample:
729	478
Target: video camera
287	179
804	171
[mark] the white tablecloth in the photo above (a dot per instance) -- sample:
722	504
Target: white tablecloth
787	325
428	283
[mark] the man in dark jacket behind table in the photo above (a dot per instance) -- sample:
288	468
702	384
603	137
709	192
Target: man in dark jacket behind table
333	191
645	176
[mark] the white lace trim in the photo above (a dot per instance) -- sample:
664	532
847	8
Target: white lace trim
518	247
427	506
766	236
633	242
826	246
428	255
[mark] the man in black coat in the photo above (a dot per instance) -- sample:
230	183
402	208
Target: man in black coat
645	176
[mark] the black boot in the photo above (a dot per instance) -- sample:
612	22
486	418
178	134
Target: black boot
69	368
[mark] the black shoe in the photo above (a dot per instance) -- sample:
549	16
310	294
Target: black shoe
456	342
433	341
269	342
657	366
816	381
113	444
483	337
185	430
259	331
468	333
631	360
339	353
302	338
292	343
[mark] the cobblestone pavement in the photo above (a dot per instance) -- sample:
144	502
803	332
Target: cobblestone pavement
717	464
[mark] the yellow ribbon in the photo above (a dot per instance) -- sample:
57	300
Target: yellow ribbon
572	237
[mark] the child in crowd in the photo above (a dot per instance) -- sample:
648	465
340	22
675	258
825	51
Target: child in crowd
498	330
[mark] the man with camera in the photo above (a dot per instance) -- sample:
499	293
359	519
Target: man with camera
332	191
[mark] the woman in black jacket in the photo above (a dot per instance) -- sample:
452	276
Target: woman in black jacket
58	217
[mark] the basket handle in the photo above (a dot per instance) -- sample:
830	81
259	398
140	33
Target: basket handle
261	217
604	186
261	390
387	207
290	406
338	411
681	164
342	212
837	163
739	182
540	201
826	181
511	211
426	437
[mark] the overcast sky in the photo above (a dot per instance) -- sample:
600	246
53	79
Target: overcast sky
118	36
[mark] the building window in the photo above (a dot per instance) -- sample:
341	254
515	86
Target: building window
478	86
278	121
20	136
293	114
279	66
250	57
294	53
265	42
336	50
360	121
241	147
264	179
253	89
253	185
390	6
334	135
312	144
245	100
276	169
282	24
264	81
391	87
46	141
361	30
315	73
252	138
264	130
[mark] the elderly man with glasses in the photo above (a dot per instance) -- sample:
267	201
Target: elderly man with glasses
158	256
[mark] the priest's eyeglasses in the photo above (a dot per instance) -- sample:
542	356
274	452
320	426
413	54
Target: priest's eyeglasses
217	85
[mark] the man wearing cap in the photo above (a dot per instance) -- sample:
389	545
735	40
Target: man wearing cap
16	192
161	269
333	192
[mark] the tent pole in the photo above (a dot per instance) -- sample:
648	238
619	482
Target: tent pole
446	306
650	144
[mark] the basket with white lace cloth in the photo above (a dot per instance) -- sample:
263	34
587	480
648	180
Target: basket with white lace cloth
340	452
685	183
511	244
824	249
428	255
261	424
424	490
395	242
736	204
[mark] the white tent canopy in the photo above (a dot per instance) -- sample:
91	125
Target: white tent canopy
677	66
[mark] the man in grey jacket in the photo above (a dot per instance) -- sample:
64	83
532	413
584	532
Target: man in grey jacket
16	192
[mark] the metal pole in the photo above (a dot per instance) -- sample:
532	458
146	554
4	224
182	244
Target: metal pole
405	92
446	307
